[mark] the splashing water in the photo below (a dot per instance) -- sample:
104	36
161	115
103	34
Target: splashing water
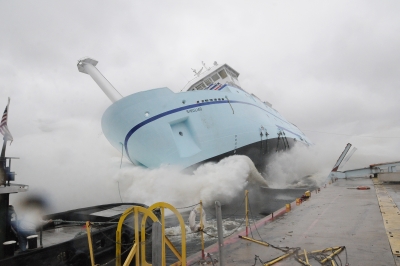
301	166
220	181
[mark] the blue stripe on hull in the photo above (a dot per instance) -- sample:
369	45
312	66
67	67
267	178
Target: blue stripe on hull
154	118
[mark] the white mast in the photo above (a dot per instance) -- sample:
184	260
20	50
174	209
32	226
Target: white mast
88	66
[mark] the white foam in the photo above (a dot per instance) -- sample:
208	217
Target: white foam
300	166
220	181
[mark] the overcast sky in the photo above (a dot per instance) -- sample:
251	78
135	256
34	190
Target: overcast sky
330	67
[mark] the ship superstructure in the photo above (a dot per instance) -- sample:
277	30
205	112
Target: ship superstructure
214	118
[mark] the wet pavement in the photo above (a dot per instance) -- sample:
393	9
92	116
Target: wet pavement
337	216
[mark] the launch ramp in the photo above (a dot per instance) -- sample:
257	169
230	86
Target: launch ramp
386	172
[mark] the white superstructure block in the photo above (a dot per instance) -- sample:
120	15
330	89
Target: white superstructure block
88	66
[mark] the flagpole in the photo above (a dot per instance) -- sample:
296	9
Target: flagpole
3	150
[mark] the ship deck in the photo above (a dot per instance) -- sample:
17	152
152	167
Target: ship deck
364	221
62	234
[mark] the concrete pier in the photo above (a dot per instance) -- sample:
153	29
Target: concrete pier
339	215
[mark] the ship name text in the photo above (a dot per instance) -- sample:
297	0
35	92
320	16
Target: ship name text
193	110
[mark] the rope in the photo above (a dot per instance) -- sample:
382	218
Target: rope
113	260
238	207
251	213
283	249
188	206
234	231
122	244
83	222
231	216
255	260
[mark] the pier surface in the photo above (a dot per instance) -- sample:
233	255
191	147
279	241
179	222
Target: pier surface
339	215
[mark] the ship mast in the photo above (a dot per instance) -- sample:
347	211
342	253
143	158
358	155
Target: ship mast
88	66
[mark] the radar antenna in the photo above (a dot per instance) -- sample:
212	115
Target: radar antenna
197	73
204	65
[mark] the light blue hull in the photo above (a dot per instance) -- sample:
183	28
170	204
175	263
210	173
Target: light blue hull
159	126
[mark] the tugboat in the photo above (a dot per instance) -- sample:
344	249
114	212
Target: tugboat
64	241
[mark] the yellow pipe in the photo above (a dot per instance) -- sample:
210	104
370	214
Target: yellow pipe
118	248
118	236
255	241
306	258
137	240
305	255
142	247
321	250
278	259
333	254
303	262
131	254
173	249
163	255
89	236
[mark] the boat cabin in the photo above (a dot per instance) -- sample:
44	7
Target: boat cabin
213	77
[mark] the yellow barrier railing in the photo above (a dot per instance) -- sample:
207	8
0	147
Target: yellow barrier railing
162	206
139	249
134	251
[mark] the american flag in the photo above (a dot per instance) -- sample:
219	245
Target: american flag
3	126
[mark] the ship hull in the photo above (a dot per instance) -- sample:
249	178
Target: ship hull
159	127
259	152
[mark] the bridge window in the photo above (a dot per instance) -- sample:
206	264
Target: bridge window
215	77
201	86
232	74
222	73
208	81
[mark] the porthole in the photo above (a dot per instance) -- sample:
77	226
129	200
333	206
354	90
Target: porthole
180	133
183	101
146	114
